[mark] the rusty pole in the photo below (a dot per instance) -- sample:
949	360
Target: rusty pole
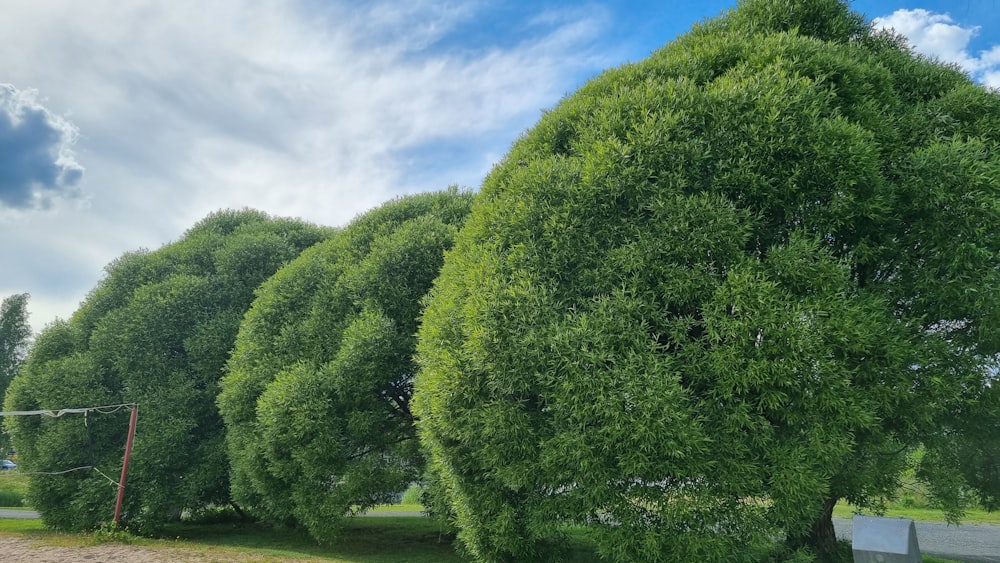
128	454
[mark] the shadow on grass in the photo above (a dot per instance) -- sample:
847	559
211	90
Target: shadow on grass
382	539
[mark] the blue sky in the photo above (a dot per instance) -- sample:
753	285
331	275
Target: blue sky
124	123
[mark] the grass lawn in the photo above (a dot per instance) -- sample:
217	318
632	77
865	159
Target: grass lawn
382	539
365	540
32	527
844	510
387	508
13	487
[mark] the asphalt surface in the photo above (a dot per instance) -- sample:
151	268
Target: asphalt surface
18	514
979	543
974	543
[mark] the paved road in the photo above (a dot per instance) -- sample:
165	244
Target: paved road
22	514
968	542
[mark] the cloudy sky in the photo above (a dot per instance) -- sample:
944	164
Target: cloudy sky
124	123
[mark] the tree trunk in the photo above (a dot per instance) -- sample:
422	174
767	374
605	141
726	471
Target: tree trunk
821	537
236	507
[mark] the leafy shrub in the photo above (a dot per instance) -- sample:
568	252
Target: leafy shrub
413	494
109	532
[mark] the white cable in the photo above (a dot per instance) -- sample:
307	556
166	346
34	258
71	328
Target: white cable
55	472
99	472
106	409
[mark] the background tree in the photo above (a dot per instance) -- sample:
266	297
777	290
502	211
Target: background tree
15	336
317	398
713	292
156	331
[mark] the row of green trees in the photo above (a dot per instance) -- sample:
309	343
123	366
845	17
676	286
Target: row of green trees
272	361
706	297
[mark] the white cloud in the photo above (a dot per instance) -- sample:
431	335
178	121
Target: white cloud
37	162
991	58
938	36
185	107
991	78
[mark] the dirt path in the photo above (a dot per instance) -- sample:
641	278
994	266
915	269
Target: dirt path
19	550
23	550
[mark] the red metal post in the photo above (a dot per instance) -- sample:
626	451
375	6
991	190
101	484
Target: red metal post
128	454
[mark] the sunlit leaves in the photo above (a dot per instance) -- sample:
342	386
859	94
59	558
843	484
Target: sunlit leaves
715	290
156	331
317	398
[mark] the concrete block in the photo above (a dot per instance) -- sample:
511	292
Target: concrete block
884	540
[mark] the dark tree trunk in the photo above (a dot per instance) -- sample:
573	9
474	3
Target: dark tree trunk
821	537
236	507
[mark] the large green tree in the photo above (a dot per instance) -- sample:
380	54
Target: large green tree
317	398
156	331
713	292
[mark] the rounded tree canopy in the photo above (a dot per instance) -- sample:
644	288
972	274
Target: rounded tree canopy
155	331
317	398
712	292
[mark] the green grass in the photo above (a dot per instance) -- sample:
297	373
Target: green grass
375	539
364	540
13	488
398	508
975	516
19	526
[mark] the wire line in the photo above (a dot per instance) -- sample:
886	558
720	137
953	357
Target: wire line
105	409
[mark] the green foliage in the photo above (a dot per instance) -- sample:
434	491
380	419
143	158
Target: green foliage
109	532
155	331
13	489
316	399
970	449
714	291
15	337
413	494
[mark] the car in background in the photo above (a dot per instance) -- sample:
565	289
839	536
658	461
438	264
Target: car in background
7	464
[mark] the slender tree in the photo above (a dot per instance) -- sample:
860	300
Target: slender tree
715	291
15	337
